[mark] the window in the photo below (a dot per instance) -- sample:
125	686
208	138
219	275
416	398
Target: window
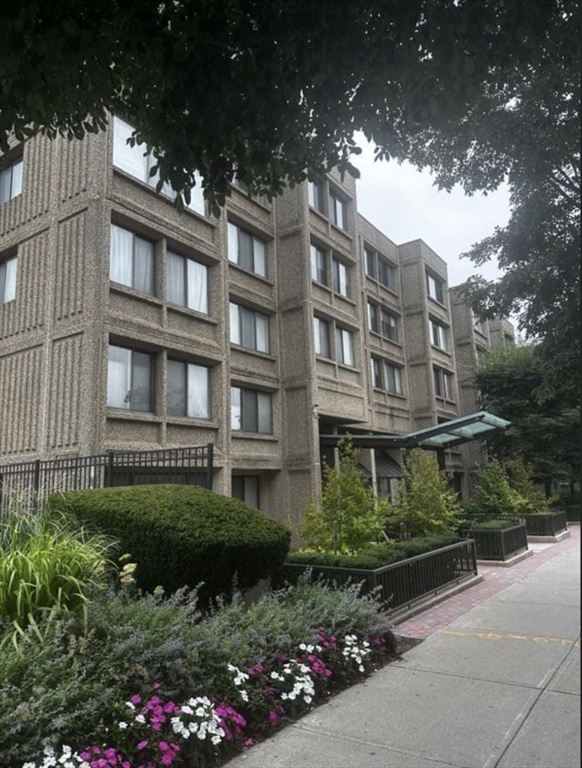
380	269
344	343
188	390
11	180
386	376
137	162
383	322
479	325
438	335
246	488
321	336
132	260
8	279
248	328
435	288
315	194
443	383
246	250
130	380
318	265
187	283
242	185
340	277
251	411
337	211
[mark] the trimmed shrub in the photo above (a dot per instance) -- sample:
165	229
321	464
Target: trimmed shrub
494	495
520	478
375	556
182	535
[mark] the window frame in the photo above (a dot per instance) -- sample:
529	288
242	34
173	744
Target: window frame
342	288
380	269
384	373
435	288
188	390
338	211
248	396
8	170
8	277
234	231
322	337
345	352
443	384
438	335
187	287
243	495
316	196
130	374
318	259
238	324
134	261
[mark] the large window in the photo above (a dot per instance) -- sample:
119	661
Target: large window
438	335
435	288
383	322
321	337
187	283
188	390
340	277
246	250
380	269
251	411
248	328
137	162
8	268
318	265
443	383
130	379
131	260
11	180
386	376
337	211
315	193
344	346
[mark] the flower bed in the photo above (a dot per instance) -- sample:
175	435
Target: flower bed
547	524
497	539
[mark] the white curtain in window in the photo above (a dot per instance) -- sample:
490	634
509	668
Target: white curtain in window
197	196
264	414
141	381
176	388
144	266
9	280
235	408
260	266
17	178
197	286
262	328
176	290
234	311
119	378
121	260
232	243
198	391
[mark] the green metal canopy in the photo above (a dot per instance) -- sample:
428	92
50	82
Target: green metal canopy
444	436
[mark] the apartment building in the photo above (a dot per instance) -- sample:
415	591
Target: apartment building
125	324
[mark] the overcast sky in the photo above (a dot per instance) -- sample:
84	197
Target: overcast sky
403	203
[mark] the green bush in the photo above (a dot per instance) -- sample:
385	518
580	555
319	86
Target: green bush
183	535
425	505
520	478
492	524
347	516
494	495
375	556
48	562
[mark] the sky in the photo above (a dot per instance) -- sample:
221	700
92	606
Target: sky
403	203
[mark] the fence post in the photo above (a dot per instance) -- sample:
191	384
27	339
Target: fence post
209	465
109	470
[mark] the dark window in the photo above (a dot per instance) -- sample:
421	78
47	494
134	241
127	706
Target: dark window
188	390
251	411
130	379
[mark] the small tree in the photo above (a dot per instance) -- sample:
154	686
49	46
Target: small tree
425	506
347	516
520	477
494	494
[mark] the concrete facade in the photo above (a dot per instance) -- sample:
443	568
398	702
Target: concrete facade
329	326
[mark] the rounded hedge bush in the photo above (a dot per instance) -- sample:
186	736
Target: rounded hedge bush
181	535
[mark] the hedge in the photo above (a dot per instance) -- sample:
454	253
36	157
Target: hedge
182	535
377	555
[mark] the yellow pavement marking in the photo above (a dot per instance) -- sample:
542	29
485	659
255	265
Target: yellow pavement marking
510	636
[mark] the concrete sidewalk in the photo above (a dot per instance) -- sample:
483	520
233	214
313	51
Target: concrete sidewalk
498	686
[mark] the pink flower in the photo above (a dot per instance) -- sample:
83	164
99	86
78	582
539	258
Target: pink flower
142	744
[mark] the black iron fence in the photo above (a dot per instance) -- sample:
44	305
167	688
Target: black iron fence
405	583
498	544
32	480
550	524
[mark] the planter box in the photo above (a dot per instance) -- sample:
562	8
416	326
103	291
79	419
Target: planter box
501	544
550	524
407	582
572	512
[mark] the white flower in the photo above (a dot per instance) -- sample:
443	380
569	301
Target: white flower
130	705
140	719
122	725
187	710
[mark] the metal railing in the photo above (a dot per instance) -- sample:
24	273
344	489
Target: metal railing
546	525
31	481
500	544
407	582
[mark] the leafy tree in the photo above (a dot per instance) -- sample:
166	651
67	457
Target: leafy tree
425	505
494	494
347	517
272	90
516	383
520	478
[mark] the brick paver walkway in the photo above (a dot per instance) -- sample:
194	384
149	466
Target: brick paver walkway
495	579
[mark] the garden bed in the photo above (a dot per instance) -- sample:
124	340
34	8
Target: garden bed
548	524
402	584
500	543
